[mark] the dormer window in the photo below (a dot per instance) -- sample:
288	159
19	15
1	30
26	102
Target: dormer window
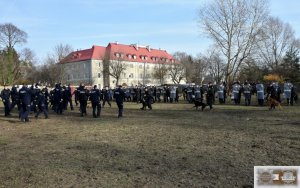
129	56
117	55
146	58
134	56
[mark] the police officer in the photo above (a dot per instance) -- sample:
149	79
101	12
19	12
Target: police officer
273	93
190	94
221	93
119	97
5	95
197	92
95	99
58	99
287	89
25	100
210	95
41	103
172	94
147	100
260	93
247	93
68	91
106	97
83	95
236	92
14	98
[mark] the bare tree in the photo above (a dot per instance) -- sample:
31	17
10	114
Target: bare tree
160	72
216	65
117	67
233	25
187	61
275	39
200	69
177	72
53	60
10	35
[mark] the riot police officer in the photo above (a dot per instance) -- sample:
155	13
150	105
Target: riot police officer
210	95
119	97
41	103
287	89
95	99
5	95
58	99
247	93
83	95
25	100
68	91
14	98
106	97
260	93
222	93
236	89
147	100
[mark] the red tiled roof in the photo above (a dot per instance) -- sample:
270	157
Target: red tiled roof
133	53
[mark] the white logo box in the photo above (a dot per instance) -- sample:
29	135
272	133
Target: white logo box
276	176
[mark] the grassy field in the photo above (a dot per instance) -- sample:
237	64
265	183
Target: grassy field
171	146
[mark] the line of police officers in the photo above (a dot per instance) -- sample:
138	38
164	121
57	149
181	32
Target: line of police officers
35	99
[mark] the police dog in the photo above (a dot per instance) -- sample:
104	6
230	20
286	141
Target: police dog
273	102
199	103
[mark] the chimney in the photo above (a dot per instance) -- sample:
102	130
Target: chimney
117	42
136	46
148	48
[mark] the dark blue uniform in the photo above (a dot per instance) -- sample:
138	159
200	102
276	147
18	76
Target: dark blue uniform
57	99
41	102
83	96
25	100
15	98
119	96
95	95
69	97
106	97
210	96
147	100
5	95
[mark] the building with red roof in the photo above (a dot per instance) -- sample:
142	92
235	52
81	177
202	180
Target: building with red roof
135	63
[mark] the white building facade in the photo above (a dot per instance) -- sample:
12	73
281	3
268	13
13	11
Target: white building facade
87	66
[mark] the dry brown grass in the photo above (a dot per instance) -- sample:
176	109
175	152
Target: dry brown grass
170	146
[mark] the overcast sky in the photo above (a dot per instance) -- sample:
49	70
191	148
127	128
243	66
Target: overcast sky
167	24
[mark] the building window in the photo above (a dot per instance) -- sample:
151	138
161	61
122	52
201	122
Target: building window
141	75
131	65
86	75
146	58
99	75
147	66
117	55
148	76
129	56
124	75
141	66
134	56
99	64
